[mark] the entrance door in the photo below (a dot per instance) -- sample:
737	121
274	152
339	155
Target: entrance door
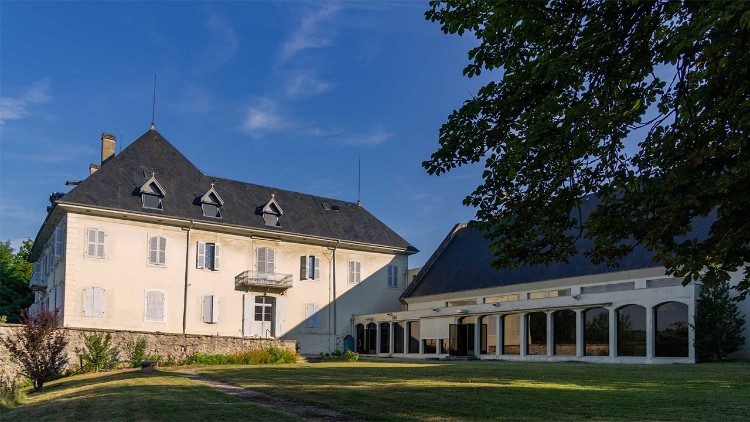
259	316
460	339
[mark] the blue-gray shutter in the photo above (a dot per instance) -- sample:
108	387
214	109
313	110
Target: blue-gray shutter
317	268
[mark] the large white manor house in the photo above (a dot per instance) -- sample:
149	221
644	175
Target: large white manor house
147	242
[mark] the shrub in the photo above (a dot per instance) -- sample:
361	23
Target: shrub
39	348
11	392
98	354
271	355
350	356
137	353
718	324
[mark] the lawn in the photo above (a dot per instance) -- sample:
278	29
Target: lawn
507	390
133	395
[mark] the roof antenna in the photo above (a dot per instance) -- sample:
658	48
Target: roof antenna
359	181
153	104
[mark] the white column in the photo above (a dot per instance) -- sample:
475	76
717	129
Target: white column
650	335
498	335
377	338
421	342
392	338
550	334
407	336
691	331
522	331
580	347
612	332
477	336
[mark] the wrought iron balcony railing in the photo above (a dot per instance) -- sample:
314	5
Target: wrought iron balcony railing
252	278
38	283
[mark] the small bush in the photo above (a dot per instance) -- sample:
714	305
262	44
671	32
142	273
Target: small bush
271	355
39	348
350	356
137	353
11	391
98	354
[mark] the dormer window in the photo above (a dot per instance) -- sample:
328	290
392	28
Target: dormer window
211	203
152	194
271	212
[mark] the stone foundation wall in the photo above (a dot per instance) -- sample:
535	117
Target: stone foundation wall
170	346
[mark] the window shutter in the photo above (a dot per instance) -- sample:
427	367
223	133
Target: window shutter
217	256
214	309
270	261
100	244
261	252
207	303
91	243
200	258
350	277
159	306
303	268
154	306
317	268
153	250
98	302
162	251
88	301
357	270
58	242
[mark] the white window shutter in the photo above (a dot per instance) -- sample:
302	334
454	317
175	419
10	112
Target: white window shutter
217	256
270	261
358	268
261	258
98	302
316	274
100	250
91	243
214	309
303	267
160	306
162	251
154	306
200	257
58	243
207	302
88	301
152	250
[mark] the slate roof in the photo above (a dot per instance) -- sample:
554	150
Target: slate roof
116	186
463	262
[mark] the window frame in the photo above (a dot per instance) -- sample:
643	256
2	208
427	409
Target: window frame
163	309
353	276
160	207
392	276
265	261
96	244
158	238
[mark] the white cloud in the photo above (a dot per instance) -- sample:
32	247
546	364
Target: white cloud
314	31
262	116
305	85
226	42
16	108
370	138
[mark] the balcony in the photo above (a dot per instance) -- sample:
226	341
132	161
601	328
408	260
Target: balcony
250	279
38	283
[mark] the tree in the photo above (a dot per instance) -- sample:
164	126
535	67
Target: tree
39	348
15	273
98	353
718	324
645	105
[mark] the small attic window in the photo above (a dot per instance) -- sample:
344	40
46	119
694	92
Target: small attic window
152	194
211	203
326	206
336	208
271	212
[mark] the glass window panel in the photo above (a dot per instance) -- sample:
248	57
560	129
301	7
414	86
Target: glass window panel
536	333
488	335
631	331
414	337
596	332
565	332
511	335
429	346
398	337
385	337
671	322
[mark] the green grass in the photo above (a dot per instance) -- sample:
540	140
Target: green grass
507	390
133	395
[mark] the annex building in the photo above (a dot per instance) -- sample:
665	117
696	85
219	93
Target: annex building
458	306
147	242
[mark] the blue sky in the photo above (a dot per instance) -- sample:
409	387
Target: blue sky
280	94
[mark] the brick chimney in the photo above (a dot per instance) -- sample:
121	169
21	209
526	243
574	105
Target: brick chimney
108	146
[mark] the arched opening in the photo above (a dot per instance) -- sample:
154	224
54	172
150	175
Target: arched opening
536	333
488	335
564	330
360	335
631	330
511	334
413	336
671	325
596	332
385	337
398	337
371	339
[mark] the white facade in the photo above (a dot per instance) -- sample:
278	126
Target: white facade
127	271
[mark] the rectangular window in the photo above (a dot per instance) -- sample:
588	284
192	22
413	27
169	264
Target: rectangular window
154	306
59	242
93	302
210	309
208	256
95	243
501	298
157	250
266	260
607	288
392	276
309	267
355	272
312	316
549	293
58	297
456	303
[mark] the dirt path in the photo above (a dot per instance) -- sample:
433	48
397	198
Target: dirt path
276	404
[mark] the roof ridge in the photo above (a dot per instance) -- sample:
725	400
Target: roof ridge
431	260
281	189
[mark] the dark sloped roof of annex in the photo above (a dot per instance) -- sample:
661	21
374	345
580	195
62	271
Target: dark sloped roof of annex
117	186
463	262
